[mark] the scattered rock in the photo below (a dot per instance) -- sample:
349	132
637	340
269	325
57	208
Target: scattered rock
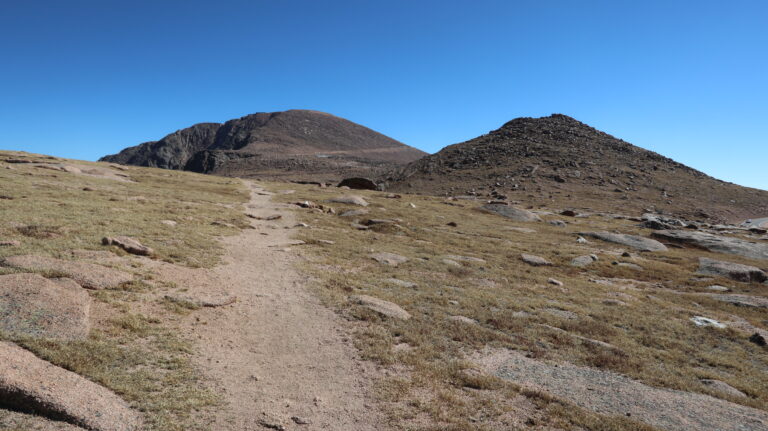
706	321
718	288
358	183
128	244
534	260
353	213
462	319
88	275
512	213
613	302
629	265
554	282
204	301
450	262
300	421
170	223
401	283
741	300
581	240
390	259
34	306
568	213
583	261
734	271
558	223
715	243
30	384
723	387
381	306
564	314
452	224
465	258
350	200
637	242
520	229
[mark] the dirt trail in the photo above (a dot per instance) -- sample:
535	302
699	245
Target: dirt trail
277	355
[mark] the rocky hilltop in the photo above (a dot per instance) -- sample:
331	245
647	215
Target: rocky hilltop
557	160
294	144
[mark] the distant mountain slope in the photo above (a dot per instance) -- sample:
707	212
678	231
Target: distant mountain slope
295	144
560	159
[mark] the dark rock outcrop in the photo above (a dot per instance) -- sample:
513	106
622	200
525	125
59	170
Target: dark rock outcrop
295	144
560	159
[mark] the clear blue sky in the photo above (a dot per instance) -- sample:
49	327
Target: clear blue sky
688	79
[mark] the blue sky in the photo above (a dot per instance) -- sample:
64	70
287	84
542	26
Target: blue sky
688	79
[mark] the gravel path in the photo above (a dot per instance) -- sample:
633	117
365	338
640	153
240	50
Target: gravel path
612	394
277	355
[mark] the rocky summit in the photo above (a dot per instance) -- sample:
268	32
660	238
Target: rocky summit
559	160
294	144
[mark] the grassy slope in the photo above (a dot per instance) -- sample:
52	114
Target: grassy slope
656	342
134	351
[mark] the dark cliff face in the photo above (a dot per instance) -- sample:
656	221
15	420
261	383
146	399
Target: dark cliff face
559	157
290	142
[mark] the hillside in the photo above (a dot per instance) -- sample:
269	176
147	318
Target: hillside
295	144
142	299
559	161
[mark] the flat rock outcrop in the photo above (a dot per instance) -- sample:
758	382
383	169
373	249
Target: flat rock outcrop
716	243
510	212
613	394
88	275
34	306
28	383
734	271
634	241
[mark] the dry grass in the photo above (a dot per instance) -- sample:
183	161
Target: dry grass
133	348
515	307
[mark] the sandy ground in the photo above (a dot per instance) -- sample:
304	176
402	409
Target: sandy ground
278	357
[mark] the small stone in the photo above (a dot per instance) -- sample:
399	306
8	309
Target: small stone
350	200
582	261
452	224
390	259
462	319
534	260
718	288
581	240
300	421
170	223
385	308
555	282
451	262
401	283
128	244
706	321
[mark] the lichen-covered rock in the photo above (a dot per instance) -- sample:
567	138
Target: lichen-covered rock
34	306
88	275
